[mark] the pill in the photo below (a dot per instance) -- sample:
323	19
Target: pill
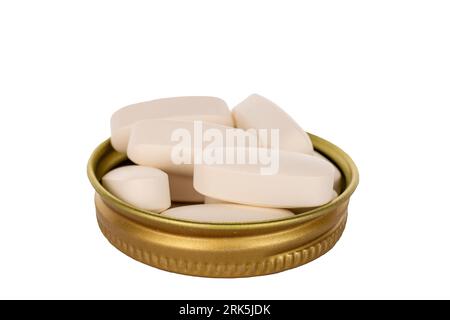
171	145
226	213
143	187
294	180
182	189
208	109
337	185
257	112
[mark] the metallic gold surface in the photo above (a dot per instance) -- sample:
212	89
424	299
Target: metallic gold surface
221	250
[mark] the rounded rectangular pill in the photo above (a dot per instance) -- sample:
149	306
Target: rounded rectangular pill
257	112
226	213
208	109
143	187
296	180
173	145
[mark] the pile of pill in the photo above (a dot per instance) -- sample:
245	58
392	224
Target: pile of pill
197	160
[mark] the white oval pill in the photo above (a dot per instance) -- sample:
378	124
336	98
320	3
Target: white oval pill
172	145
226	213
289	180
257	112
144	187
182	189
337	185
208	109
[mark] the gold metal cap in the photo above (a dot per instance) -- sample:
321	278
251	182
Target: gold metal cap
221	250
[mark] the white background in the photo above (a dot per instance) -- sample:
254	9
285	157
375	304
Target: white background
371	76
